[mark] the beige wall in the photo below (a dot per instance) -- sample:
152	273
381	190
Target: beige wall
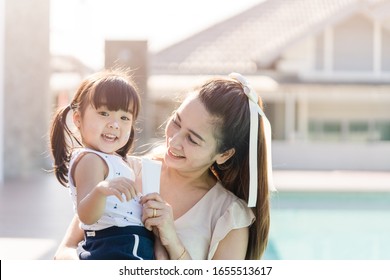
357	31
26	92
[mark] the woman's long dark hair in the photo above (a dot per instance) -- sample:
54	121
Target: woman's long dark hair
226	100
111	88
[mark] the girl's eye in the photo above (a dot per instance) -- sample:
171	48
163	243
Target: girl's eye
124	118
103	113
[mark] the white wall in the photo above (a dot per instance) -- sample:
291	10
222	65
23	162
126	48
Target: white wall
331	156
2	43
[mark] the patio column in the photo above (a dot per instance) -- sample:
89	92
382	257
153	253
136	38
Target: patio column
26	97
290	116
302	117
328	50
377	48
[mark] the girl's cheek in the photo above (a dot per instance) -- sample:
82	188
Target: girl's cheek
128	134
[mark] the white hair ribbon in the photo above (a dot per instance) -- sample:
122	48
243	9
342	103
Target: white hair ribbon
255	109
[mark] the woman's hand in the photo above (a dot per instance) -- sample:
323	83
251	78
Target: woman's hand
157	215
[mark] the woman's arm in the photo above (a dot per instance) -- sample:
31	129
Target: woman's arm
233	246
160	253
67	249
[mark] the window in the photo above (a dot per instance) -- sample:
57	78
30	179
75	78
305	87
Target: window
359	131
325	130
383	130
354	131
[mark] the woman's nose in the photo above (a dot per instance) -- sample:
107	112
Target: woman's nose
176	141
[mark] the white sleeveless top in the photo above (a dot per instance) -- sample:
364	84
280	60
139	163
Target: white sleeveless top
116	213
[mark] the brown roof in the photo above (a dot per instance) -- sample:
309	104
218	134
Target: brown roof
253	40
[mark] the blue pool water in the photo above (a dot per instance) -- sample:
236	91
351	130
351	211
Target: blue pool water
329	226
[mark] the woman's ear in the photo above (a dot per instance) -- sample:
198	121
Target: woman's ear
222	158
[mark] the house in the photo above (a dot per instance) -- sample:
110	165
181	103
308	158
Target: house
321	66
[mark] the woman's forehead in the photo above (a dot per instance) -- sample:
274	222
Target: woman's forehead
193	114
192	106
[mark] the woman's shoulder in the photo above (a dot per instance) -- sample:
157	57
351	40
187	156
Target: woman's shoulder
224	193
225	199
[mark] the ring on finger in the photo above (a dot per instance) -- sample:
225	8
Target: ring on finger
154	212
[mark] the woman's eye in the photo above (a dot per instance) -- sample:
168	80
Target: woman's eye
192	140
175	122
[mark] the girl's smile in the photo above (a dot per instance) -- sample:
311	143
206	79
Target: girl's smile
109	137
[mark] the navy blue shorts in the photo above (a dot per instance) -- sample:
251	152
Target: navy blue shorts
117	243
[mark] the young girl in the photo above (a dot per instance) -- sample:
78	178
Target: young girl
100	179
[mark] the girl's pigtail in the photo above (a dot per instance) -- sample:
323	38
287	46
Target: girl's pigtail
60	148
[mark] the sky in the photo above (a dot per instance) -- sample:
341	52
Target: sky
79	27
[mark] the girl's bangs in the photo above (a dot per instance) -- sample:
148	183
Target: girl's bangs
115	95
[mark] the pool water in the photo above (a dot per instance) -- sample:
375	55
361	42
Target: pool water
329	226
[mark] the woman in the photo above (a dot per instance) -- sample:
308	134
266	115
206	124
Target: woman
209	178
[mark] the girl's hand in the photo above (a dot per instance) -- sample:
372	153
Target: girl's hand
91	207
118	186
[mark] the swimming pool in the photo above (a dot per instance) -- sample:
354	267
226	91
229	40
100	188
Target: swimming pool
329	226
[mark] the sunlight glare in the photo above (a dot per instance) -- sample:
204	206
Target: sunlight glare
79	27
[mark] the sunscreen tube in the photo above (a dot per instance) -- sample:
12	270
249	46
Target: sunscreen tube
151	170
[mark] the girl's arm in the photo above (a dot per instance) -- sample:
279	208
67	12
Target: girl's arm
89	174
67	249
